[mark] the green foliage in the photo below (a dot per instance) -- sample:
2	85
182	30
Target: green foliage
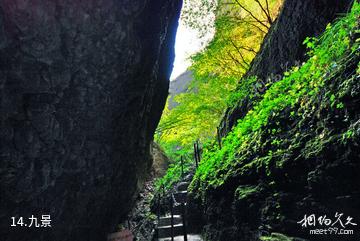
197	115
173	175
198	14
247	88
217	70
242	192
276	237
327	55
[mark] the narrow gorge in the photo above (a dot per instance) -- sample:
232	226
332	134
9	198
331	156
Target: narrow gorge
257	140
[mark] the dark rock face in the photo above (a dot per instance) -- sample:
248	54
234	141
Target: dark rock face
318	172
141	219
282	47
160	161
83	84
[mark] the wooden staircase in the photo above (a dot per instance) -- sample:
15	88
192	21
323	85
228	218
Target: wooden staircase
172	226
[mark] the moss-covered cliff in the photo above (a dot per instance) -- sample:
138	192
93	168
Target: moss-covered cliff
293	151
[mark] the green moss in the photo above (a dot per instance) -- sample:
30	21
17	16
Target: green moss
173	175
246	191
291	97
276	237
248	88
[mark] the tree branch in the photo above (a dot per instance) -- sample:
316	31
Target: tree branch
251	14
241	55
267	14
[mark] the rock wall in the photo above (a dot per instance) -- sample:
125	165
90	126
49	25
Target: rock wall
318	171
160	161
282	47
83	85
317	175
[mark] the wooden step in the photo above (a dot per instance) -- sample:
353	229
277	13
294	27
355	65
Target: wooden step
166	221
190	237
165	231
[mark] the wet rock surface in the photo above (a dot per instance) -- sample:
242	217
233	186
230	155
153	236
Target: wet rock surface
82	84
316	174
283	46
141	220
315	177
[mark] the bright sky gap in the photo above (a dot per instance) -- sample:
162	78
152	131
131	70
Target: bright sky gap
187	43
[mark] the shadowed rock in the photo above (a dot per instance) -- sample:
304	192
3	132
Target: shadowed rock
82	84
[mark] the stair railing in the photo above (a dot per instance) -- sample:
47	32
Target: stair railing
172	217
183	210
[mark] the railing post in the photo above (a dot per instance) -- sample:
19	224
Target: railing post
198	151
218	137
158	216
158	208
182	166
183	209
172	217
163	189
195	155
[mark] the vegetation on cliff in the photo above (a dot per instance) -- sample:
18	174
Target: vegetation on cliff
295	148
295	151
240	28
296	94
